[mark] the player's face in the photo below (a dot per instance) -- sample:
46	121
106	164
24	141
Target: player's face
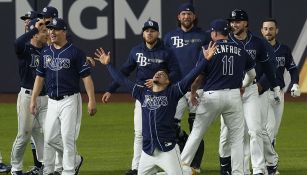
269	30
186	19
57	36
238	27
42	36
150	35
26	22
161	78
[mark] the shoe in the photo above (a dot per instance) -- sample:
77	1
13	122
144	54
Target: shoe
259	174
197	170
272	170
4	168
132	172
277	172
56	173
79	163
16	173
34	171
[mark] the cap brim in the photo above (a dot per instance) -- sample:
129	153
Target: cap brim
54	27
150	27
24	18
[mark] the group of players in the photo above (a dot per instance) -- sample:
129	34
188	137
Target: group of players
226	71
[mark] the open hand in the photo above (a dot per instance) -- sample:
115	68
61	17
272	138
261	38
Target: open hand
102	56
209	52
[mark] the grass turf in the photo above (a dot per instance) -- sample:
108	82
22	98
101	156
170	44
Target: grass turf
106	140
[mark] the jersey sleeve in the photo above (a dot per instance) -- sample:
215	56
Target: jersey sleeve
126	69
291	67
20	42
84	69
41	69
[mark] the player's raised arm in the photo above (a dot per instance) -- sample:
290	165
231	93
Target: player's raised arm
209	52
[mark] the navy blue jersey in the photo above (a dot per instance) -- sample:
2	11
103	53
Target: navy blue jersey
158	109
261	51
62	69
227	67
147	62
28	59
284	61
186	46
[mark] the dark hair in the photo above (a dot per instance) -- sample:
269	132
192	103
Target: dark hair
269	20
195	22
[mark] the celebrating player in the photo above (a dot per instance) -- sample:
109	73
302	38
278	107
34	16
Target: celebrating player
28	54
256	139
158	109
221	95
147	58
186	42
284	59
62	65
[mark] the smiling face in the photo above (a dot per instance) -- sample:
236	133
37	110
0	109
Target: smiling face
57	36
238	27
161	78
186	19
269	30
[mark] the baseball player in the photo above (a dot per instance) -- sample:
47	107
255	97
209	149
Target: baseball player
3	167
28	48
147	58
186	42
221	95
158	109
256	139
36	168
284	59
61	66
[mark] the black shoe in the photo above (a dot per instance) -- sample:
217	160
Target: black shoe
272	170
78	166
16	173
56	173
35	171
259	174
4	168
132	172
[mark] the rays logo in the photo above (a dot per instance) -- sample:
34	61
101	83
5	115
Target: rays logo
153	102
56	64
281	61
178	42
252	53
34	60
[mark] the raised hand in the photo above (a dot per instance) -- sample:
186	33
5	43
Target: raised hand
209	52
102	56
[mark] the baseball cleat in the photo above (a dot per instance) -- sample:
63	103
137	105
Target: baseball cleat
35	171
79	163
56	173
132	172
16	173
4	168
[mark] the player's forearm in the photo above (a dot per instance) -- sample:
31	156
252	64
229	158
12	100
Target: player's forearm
196	84
249	78
37	88
294	76
89	87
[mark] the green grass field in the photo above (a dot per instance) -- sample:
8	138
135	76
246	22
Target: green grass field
106	140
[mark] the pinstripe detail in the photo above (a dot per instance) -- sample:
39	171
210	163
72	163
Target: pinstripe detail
178	157
179	89
157	131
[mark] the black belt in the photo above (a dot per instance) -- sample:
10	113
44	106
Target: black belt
61	97
29	92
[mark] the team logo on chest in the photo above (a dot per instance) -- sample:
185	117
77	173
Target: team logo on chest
280	61
178	42
252	53
144	61
154	102
34	60
56	64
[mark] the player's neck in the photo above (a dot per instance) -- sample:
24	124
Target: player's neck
241	36
158	87
151	45
272	42
59	45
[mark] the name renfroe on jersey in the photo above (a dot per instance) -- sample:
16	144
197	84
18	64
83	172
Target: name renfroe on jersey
154	102
227	49
144	61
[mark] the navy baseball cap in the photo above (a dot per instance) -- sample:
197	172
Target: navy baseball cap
151	24
49	12
220	25
58	24
186	7
238	15
31	15
31	24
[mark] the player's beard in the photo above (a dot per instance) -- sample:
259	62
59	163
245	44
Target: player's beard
186	23
238	31
270	37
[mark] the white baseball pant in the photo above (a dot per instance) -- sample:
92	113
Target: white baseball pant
253	138
138	137
227	102
185	102
62	128
28	125
275	115
167	161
